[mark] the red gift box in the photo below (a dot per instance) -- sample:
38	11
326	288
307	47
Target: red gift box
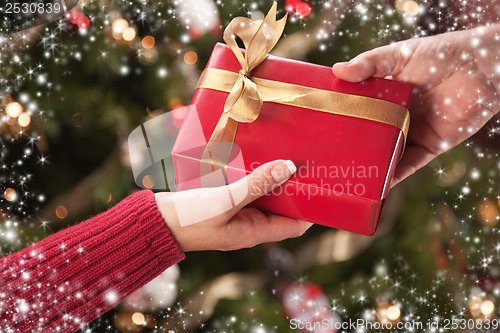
344	164
345	138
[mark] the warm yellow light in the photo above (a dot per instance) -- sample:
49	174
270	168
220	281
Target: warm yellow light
408	7
6	99
24	119
148	42
10	194
487	212
138	318
487	307
119	26
61	212
148	181
129	34
475	306
411	8
382	314
474	303
393	313
174	101
14	109
190	58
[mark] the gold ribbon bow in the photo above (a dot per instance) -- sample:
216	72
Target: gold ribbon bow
246	94
244	102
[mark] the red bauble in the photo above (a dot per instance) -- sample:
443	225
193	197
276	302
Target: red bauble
290	6
83	22
74	15
298	7
303	9
195	33
307	303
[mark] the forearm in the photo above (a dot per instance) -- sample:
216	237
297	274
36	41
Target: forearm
73	276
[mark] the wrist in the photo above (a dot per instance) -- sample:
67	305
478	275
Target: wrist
167	210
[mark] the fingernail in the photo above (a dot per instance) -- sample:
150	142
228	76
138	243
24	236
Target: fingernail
291	166
283	171
306	224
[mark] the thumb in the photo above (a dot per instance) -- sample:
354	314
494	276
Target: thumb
201	204
261	181
379	62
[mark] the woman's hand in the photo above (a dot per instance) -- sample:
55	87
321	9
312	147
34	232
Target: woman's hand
215	218
456	79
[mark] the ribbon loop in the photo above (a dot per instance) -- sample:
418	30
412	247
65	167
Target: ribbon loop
244	102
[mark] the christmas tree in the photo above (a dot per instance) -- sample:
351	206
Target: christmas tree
75	86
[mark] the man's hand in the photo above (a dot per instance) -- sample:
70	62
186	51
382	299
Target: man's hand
456	79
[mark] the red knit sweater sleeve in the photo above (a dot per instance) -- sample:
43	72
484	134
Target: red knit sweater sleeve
73	276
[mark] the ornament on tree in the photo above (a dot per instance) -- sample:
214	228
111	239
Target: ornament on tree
198	17
159	294
298	7
78	19
309	306
10	194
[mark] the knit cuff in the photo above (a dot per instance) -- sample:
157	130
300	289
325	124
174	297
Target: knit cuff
164	248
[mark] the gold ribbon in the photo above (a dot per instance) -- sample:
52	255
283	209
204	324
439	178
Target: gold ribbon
313	99
246	95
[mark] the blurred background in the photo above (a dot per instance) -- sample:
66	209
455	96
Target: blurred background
74	88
